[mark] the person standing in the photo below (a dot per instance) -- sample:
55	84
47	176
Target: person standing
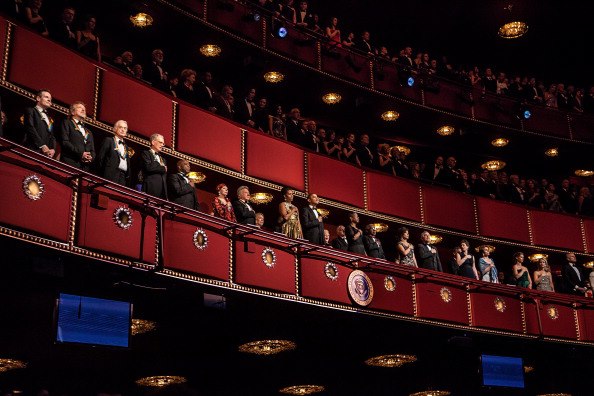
78	147
313	223
289	215
113	157
154	169
355	235
39	125
181	189
373	246
573	276
244	213
428	256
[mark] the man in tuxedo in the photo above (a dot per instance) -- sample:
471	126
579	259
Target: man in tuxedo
295	133
311	221
373	246
340	242
181	190
427	254
205	93
154	169
432	173
304	18
155	73
63	30
224	103
78	147
244	213
113	158
573	276
364	153
39	126
245	109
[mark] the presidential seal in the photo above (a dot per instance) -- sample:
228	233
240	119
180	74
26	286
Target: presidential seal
360	288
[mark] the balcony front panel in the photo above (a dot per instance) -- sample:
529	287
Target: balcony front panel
586	321
146	110
442	300
556	230
558	320
496	310
195	6
532	316
3	30
274	160
349	65
394	196
260	265
237	17
48	216
502	220
589	234
181	252
208	137
495	109
582	126
296	45
548	121
449	97
335	180
449	209
385	77
98	230
319	281
392	292
67	75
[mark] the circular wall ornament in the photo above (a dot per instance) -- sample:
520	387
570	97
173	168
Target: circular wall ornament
499	304
331	271
122	216
390	283
200	239
360	288
553	312
33	187
445	294
268	257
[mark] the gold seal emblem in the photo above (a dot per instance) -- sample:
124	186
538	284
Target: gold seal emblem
268	257
390	283
200	239
122	217
499	304
33	187
331	271
445	294
360	288
553	312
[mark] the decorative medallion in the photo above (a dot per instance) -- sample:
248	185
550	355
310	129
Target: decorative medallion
268	257
445	294
499	304
553	312
160	381
141	326
360	288
33	187
391	360
267	347
200	239
122	216
331	271
11	364
390	283
302	389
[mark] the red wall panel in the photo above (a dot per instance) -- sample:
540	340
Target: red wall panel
531	313
274	160
546	226
586	320
496	109
399	301
386	77
589	231
502	220
432	306
250	269
3	27
394	196
315	283
179	252
209	137
147	110
451	97
68	76
48	216
448	208
137	242
335	180
350	65
486	314
296	44
564	326
582	126
235	17
548	121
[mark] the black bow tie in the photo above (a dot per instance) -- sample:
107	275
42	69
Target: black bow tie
120	142
80	123
44	111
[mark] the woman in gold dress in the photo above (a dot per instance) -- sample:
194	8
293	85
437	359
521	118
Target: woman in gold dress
289	215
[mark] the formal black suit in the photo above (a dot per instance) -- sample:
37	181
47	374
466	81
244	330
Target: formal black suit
224	109
295	133
204	97
355	245
340	243
313	229
154	175
74	144
242	112
38	133
427	259
243	213
152	74
181	192
61	32
108	160
305	18
571	280
365	156
373	247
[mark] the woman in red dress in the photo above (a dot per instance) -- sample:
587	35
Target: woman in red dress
222	205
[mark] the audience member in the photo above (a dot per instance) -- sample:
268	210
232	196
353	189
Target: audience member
326	238
465	261
406	252
573	276
127	62
313	223
363	152
486	266
245	108
87	42
349	152
63	30
180	188
33	18
259	220
244	213
294	131
185	88
333	33
113	158
428	256
261	115
154	169
340	242
304	18
277	123
224	103
372	244
543	279
221	205
78	146
289	215
39	126
155	73
205	96
354	235
520	272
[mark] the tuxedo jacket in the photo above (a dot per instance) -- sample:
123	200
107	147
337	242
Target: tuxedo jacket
60	32
313	229
243	214
74	144
151	74
222	109
340	243
181	192
307	18
242	113
428	260
571	280
154	175
37	131
108	160
203	98
373	248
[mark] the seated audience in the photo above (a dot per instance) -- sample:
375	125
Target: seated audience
340	242
78	146
326	238
260	220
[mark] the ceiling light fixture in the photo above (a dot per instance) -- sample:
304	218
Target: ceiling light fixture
273	77
493	165
141	20
552	152
584	173
380	227
11	364
537	256
210	50
446	130
396	360
261	198
491	248
332	98
141	326
431	393
160	381
500	142
390	115
267	347
434	239
403	149
302	389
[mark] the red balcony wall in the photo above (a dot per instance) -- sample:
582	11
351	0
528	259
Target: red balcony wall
546	227
485	313
431	305
335	180
399	301
315	283
448	209
502	220
394	196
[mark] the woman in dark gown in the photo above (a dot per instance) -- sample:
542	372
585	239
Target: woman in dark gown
87	41
465	261
520	272
355	235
